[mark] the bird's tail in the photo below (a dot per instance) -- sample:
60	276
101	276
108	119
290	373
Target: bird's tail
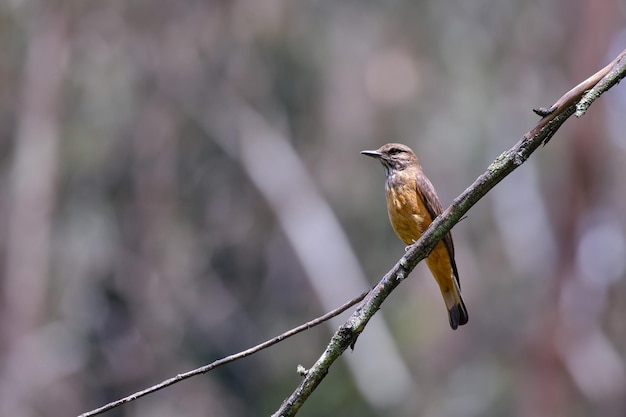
457	312
445	274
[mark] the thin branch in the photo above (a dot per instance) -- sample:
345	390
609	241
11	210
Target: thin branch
592	84
612	77
347	334
227	359
506	163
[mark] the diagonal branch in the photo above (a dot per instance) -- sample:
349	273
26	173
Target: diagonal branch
225	360
554	116
506	163
584	93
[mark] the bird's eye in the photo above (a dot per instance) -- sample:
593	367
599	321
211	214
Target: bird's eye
394	151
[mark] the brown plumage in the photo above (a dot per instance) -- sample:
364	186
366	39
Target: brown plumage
412	204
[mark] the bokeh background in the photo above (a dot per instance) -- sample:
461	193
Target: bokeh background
180	180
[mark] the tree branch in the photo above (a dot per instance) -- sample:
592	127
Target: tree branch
346	336
225	360
506	163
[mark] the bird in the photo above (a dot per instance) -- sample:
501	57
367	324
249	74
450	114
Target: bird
412	205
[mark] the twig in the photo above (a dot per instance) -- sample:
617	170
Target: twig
227	359
611	78
496	172
592	83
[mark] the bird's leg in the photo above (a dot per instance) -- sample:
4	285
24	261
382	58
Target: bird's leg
406	248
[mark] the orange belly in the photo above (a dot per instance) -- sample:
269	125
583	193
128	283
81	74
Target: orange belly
409	219
407	213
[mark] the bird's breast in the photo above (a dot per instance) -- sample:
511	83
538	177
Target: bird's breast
407	213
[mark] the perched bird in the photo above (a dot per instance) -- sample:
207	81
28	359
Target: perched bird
412	204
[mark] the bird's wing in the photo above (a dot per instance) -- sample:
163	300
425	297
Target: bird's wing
426	192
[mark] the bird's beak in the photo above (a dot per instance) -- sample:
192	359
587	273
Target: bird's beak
373	154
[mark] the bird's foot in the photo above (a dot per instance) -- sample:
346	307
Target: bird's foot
406	248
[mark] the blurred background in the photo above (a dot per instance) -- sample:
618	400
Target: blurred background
181	180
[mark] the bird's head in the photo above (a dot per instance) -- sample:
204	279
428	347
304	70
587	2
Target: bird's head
394	156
